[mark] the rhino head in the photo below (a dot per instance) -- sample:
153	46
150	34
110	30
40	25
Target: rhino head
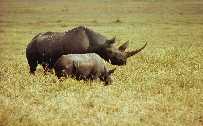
116	56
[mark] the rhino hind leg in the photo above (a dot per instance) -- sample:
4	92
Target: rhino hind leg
33	65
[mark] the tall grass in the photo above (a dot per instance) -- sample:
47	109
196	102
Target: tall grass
160	86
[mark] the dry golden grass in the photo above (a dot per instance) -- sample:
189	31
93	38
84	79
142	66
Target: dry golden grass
162	86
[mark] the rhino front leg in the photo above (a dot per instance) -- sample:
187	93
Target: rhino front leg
45	67
48	67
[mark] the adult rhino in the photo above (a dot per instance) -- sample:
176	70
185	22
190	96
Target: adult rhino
46	48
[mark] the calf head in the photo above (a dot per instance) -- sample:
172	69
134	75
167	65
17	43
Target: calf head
116	56
106	77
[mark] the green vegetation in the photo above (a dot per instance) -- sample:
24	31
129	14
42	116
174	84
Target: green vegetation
161	86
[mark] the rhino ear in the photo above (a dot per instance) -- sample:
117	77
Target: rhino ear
123	46
111	41
111	71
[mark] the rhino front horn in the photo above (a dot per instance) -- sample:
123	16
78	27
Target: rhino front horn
131	53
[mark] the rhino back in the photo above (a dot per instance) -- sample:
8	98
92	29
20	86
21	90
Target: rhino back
87	57
76	41
88	61
51	45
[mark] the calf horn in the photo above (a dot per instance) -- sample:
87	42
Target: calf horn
129	54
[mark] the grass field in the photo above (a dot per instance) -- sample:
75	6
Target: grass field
161	86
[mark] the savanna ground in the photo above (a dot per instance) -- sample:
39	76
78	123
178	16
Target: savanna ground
161	86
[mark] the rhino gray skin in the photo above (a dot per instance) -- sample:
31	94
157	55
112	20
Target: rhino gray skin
46	48
88	66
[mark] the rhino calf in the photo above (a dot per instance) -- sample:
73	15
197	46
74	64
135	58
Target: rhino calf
89	66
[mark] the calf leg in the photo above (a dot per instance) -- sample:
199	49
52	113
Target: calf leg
93	76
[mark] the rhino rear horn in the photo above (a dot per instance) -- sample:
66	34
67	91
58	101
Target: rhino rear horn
131	53
123	46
